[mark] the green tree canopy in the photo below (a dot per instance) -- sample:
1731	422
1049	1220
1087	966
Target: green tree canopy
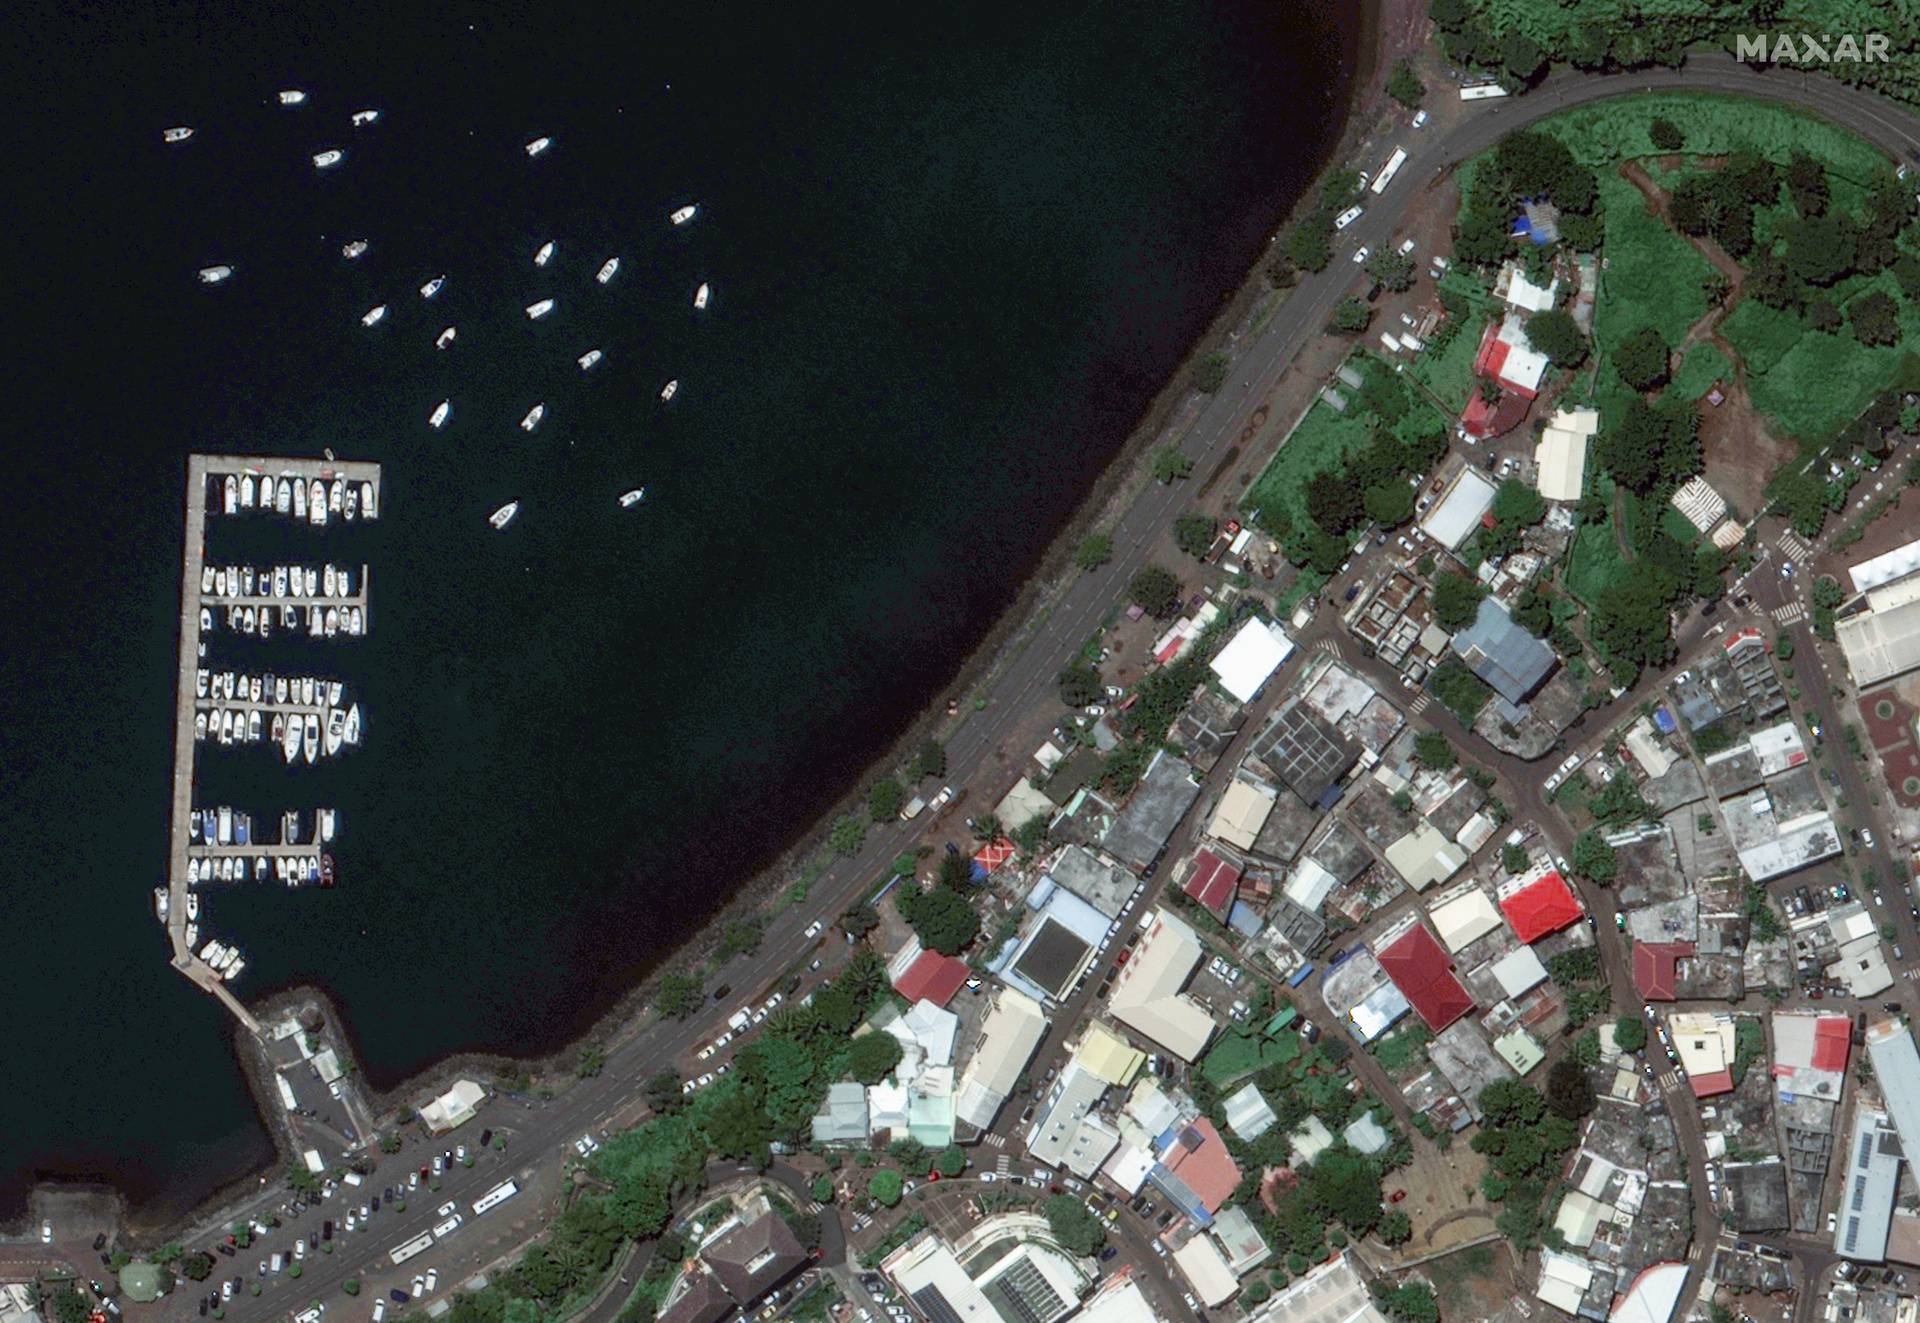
1642	359
1193	533
1389	505
1155	591
1555	334
1405	86
887	1185
951	1161
1594	859
1432	749
1350	316
1095	550
1456	600
1630	1033
1074	1226
872	1057
1170	466
885	798
943	917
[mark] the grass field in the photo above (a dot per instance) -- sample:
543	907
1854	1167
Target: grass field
1810	382
1653	276
1761	335
1324	438
1714	126
1449	373
1240	1052
1596	561
1704	365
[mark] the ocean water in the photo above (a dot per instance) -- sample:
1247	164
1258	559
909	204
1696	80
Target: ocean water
954	251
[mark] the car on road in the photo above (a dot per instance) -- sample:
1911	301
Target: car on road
444	1209
379	1310
1361	254
46	1233
813	930
942	799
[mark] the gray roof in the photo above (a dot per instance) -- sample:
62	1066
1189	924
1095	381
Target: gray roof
1162	798
1306	753
1513	661
1866	1197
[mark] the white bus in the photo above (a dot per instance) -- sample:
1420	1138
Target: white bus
1482	91
493	1198
1390	169
420	1244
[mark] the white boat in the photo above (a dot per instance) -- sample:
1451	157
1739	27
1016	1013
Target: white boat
545	255
504	515
253	726
607	268
310	746
588	359
279	581
669	390
213	275
224	834
535	311
246	491
373	315
193	933
701	295
329	580
332	621
283	501
180	134
317	505
160	898
353	621
290	740
200	682
335	690
336	493
445	338
353	248
293	96
438	418
362	118
312	576
206	584
367	498
306	691
630	499
255	686
199	725
280	689
230	490
538	145
328	159
326	824
352	733
232	971
299	498
432	287
534	415
685	214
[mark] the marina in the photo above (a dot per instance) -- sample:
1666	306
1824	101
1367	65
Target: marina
309	717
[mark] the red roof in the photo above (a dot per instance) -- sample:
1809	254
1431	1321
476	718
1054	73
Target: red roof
1200	1159
1656	970
993	854
932	977
1485	420
1705	1086
1212	883
1832	1035
1545	905
1423	973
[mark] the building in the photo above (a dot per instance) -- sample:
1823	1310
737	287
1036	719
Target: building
1423	973
1120	1301
1241	1241
1005	1268
697	1297
842	1118
1463	919
1212	883
1193	1168
930	976
1748	656
1331	1293
1512	286
1866	1197
454	1108
1506	656
1056	944
1094	878
1306	753
1887	567
1507	356
1519	971
1207	1270
1883	641
1013	1028
1810	1054
1656	969
1249	1114
1539	902
756	1257
1424	857
1165	793
1251	656
1056	1138
1241	813
1560	458
1896	1067
1705	1041
1147	993
1460	508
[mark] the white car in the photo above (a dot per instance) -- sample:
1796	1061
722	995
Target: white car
724	1039
688	1086
46	1233
704	1052
943	798
773	1001
419	1284
813	930
433	1278
447	1208
379	1310
1420	119
1362	253
1406	246
703	1081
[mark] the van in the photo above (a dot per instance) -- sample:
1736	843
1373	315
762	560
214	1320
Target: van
275	1262
355	1178
740	1019
911	809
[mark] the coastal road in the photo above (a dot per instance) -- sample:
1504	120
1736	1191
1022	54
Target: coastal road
1239	415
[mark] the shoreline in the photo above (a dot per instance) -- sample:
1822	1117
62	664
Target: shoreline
1125	474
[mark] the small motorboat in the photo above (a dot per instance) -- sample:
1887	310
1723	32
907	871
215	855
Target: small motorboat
280	689
669	390
701	295
504	515
432	287
534	415
352	732
336	495
438	418
336	724
199	725
538	145
367	497
299	498
180	134
353	248
630	499
373	315
588	359
279	581
230	490
362	118
336	689
332	621
283	501
311	744
312	576
351	509
684	214
246	491
535	311
329	580
160	897
328	159
253	726
444	339
293	96
206	583
326	824
213	275
607	268
545	255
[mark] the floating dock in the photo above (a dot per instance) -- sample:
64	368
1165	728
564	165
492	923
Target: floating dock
202	470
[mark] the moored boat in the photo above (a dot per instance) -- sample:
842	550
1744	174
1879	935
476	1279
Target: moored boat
432	287
630	499
669	390
701	295
352	732
438	418
180	134
367	498
373	315
311	744
504	515
328	159
293	96
213	275
588	359
544	255
444	339
607	268
534	415
362	118
538	145
684	214
535	311
353	248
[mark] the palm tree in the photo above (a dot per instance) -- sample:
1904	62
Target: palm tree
987	827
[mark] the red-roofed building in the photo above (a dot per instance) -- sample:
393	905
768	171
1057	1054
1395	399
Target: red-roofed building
1711	1083
1539	903
1832	1038
994	854
1420	968
932	977
1507	356
1197	1161
1484	421
1213	883
1656	968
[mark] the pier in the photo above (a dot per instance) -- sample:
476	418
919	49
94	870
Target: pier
201	470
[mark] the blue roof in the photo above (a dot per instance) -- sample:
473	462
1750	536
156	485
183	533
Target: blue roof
1506	656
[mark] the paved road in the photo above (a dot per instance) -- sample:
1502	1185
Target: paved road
1226	420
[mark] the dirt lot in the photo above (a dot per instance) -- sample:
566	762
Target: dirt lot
1741	454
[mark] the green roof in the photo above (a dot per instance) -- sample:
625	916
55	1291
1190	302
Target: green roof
141	1282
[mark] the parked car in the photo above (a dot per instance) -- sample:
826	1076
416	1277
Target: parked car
1361	254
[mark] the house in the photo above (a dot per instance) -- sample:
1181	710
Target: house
1250	657
1656	969
1503	654
1013	1028
1165	793
1242	812
454	1108
1419	967
1560	458
1512	287
697	1297
1705	1041
1213	883
1147	994
1424	857
1306	753
1464	918
1207	1270
1460	508
1193	1168
1508	357
753	1259
1538	903
1883	641
930	976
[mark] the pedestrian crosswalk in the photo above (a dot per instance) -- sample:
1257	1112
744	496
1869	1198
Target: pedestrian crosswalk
994	1141
1669	1080
1419	703
1330	646
1790	614
1004	1164
1796	548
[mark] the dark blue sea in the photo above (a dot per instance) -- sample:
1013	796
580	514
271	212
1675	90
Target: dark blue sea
954	252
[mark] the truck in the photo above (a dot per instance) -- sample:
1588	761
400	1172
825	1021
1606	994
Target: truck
911	809
1389	170
740	1019
1389	342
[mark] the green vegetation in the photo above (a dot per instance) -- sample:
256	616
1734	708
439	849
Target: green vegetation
1523	1140
1704	366
1074	1226
1456	600
1630	1033
942	916
1432	749
1170	466
1095	550
886	1187
1514	858
1460	689
1555	334
1240	1052
1405	86
1350	316
872	1057
885	798
1749	1046
1155	591
1309	245
1594	859
1399	1051
1410	1302
1194	534
1210	373
847	836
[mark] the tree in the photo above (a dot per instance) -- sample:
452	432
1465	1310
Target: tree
1393	270
1630	1033
931	760
1431	749
909	1152
1555	334
1170	466
1521	60
196	1266
1827	592
1807	184
1642	359
1074	1226
680	995
1823	315
592	1061
1309	245
1155	591
1569	1089
1193	534
1802	500
1389	505
822	1190
886	1186
1350	316
942	917
858	921
847	836
884	799
1095	550
951	1161
1514	858
1210	373
665	1092
1876	318
1079	685
1456	601
1405	86
1821	249
1666	135
1345	1185
1337	505
69	1306
1594	859
1411	1302
1633	623
1395	1228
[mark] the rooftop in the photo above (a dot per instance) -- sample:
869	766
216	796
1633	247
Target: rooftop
1506	656
1423	973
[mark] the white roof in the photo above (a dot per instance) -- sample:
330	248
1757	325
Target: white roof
1242	813
1128	1167
1524	365
1519	970
1249	1115
1310	1139
1147	996
1885	641
1896	1069
1563	1280
1012	1030
1465	919
1700	503
1423	856
455	1107
1121	1301
1308	885
1331	1293
1648	751
1251	656
1457	513
1653	1295
1886	567
1516	289
1202	1263
931	1028
1022	804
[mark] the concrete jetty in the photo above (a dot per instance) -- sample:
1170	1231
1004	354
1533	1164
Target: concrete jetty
201	471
